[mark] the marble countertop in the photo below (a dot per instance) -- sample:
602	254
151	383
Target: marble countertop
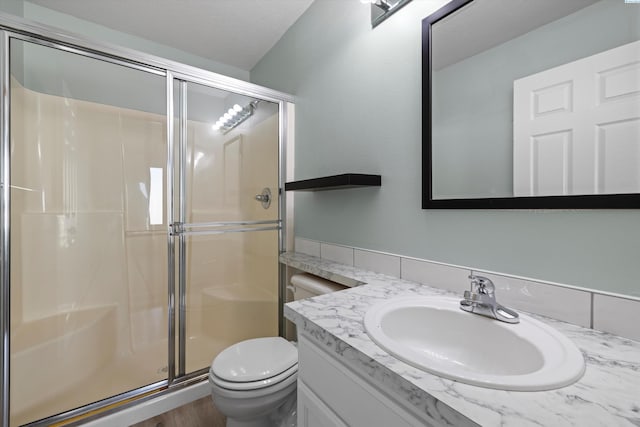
607	395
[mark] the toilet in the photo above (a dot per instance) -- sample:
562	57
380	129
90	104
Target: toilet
253	382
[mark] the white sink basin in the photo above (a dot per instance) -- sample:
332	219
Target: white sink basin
435	335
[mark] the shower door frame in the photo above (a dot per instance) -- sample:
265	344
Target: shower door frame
179	229
20	29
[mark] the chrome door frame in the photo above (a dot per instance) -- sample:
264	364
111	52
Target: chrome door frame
5	230
17	28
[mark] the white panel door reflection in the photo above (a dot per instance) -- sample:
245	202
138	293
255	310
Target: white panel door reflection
577	127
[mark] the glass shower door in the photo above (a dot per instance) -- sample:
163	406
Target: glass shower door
89	231
227	240
140	246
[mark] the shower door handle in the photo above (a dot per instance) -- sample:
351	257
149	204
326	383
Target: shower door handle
264	198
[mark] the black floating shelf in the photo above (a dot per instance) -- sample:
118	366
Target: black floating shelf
335	182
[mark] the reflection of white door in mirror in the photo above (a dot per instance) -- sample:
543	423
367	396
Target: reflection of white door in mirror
577	127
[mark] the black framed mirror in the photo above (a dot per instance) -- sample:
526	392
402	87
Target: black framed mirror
531	105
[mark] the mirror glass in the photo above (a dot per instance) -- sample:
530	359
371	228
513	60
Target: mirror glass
532	99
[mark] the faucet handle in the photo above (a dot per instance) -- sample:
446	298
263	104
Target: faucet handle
482	285
471	297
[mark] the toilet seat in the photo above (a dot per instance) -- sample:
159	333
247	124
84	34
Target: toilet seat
252	385
254	364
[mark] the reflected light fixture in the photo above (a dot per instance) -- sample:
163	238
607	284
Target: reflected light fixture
234	117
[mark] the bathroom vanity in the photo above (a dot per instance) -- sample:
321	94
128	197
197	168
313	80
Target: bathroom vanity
332	394
346	379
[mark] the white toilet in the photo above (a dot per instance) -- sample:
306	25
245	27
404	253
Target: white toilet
253	382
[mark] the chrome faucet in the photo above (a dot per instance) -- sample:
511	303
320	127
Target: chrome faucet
481	299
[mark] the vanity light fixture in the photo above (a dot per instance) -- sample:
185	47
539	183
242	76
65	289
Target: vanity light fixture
382	4
234	117
382	9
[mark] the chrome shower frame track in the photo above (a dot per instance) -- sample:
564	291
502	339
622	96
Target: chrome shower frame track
20	29
5	231
282	212
182	239
171	247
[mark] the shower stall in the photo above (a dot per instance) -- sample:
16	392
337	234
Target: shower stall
134	248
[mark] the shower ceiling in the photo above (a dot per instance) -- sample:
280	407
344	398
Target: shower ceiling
233	32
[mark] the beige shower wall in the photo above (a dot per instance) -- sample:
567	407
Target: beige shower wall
68	219
80	227
227	172
262	171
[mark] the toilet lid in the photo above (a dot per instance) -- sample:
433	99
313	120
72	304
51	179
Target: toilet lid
255	359
255	385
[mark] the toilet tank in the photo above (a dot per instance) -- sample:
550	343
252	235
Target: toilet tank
306	285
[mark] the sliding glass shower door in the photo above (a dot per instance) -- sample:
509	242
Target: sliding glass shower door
144	228
226	238
88	230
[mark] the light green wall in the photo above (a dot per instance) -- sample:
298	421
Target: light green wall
12	7
358	109
59	73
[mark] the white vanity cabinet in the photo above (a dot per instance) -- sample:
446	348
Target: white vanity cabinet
332	395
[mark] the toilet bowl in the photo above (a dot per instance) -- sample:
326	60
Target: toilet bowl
253	382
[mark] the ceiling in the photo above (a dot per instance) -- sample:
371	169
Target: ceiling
234	32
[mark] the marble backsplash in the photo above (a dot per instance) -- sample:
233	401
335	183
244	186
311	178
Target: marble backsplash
584	307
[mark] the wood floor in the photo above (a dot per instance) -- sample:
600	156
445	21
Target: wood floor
200	413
